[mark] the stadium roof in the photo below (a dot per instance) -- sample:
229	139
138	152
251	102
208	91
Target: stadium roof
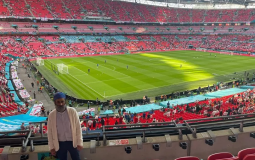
199	4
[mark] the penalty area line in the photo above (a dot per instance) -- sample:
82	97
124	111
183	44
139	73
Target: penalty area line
80	70
86	85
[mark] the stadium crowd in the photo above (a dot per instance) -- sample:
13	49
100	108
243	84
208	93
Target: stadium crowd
242	103
30	47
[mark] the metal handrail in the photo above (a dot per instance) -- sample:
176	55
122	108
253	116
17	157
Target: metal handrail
224	122
44	138
143	130
222	117
140	130
24	145
19	131
32	148
20	138
139	124
245	118
179	130
193	127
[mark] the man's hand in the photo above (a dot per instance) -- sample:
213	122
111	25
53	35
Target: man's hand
53	152
79	147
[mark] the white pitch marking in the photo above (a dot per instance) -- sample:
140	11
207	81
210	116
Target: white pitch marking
87	85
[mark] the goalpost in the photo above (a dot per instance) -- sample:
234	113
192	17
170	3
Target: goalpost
40	61
62	68
201	49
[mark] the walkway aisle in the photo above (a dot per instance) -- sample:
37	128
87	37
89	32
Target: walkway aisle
43	97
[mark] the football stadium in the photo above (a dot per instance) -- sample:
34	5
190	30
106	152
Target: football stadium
127	80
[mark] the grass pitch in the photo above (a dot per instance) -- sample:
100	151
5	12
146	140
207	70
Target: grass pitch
135	75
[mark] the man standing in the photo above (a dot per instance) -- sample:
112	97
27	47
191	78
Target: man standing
32	84
88	104
64	130
22	127
34	95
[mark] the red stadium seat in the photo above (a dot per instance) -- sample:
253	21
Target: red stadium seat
220	156
244	152
233	158
249	157
187	158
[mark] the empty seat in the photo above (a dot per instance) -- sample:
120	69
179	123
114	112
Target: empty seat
244	152
249	157
187	158
220	156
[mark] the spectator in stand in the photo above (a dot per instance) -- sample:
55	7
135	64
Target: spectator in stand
123	111
119	111
34	95
120	120
221	113
228	111
107	121
167	114
31	127
144	115
96	117
215	112
102	121
19	109
94	123
240	110
43	110
88	104
22	127
36	129
90	122
83	127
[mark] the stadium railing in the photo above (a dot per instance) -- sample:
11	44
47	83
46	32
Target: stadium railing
220	135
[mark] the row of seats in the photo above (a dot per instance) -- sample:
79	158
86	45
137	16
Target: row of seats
179	113
53	45
119	11
245	154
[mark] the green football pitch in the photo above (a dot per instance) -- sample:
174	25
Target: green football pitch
131	76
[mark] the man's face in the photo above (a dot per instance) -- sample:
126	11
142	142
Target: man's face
60	104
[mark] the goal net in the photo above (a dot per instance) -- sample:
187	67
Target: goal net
201	49
40	61
63	69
